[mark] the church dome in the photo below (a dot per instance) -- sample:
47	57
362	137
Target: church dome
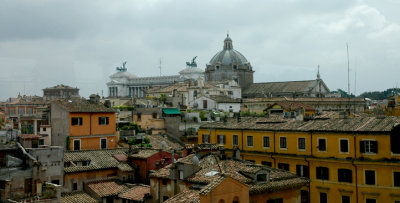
228	56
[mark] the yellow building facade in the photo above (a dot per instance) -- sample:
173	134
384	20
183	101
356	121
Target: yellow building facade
347	160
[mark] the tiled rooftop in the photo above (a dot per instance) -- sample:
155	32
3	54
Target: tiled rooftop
99	159
294	105
136	193
106	188
238	170
289	86
155	141
186	196
79	105
144	153
77	197
357	124
28	136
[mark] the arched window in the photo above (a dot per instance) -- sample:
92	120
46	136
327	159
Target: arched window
195	94
221	201
235	200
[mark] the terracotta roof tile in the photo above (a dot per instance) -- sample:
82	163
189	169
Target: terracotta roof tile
97	159
357	124
136	193
77	197
238	170
186	196
79	105
144	153
107	188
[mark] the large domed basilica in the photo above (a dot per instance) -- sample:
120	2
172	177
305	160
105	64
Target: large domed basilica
230	64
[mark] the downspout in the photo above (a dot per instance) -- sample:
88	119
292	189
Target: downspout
308	162
274	152
26	153
355	166
242	141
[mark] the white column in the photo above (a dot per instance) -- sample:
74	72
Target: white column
35	127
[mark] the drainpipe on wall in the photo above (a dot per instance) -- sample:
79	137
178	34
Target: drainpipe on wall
274	152
309	185
355	166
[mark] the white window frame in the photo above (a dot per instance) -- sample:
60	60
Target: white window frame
326	144
305	144
73	144
269	142
221	141
106	120
348	146
365	178
280	142
247	141
369	151
106	143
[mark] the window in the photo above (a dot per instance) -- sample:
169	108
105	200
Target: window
75	186
301	142
304	196
322	173
396	179
21	112
344	145
11	111
29	111
103	143
154	115
368	146
76	121
302	170
249	141
44	129
103	120
321	144
368	200
395	140
266	142
282	143
283	166
221	139
345	175
180	175
266	163
323	197
235	140
41	141
77	145
345	199
370	177
206	138
280	200
204	104
139	116
261	177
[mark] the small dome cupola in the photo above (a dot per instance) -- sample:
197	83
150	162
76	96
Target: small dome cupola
228	42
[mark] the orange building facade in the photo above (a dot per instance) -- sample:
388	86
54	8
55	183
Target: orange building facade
82	125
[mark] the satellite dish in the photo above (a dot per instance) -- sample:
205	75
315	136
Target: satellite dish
195	160
163	145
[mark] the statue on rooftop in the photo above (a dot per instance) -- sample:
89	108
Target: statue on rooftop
123	68
192	64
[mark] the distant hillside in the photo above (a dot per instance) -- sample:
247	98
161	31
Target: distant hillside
378	95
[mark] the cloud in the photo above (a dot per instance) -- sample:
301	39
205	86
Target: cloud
79	43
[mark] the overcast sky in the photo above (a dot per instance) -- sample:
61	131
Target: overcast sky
79	43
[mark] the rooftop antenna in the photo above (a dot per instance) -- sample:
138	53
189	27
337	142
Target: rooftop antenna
348	71
160	67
